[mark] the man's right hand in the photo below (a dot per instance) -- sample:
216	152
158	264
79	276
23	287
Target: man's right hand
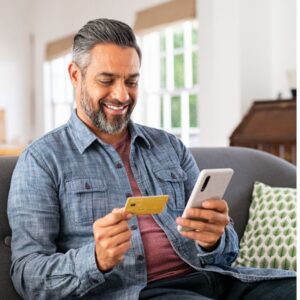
112	237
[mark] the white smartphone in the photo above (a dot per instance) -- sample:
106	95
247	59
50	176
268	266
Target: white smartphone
211	184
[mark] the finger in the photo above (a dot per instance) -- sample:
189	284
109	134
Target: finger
126	215
216	204
118	210
115	241
121	238
110	258
118	252
116	216
110	231
200	226
207	215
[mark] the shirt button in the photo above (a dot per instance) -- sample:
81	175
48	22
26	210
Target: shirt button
118	166
140	257
173	176
133	227
7	241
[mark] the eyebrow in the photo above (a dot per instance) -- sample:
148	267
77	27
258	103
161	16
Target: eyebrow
108	74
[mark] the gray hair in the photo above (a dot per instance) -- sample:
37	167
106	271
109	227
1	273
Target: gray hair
101	31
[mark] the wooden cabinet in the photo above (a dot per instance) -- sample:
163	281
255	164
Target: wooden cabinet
269	126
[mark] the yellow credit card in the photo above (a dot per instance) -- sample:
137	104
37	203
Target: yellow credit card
146	205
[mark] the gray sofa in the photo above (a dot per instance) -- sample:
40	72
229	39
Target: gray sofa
249	165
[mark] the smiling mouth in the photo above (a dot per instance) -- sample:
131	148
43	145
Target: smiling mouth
116	109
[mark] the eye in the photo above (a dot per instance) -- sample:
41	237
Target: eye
132	83
105	82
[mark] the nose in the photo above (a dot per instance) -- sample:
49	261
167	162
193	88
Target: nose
120	92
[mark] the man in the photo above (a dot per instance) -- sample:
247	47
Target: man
71	237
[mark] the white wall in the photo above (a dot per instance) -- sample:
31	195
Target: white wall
284	45
219	73
268	49
246	48
255	51
15	68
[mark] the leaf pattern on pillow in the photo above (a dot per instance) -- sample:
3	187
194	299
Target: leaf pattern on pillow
269	240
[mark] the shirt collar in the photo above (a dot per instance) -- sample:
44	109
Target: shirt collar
84	137
137	134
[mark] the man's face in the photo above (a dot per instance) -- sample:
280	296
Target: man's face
107	93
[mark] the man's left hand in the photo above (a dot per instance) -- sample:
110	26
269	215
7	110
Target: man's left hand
207	223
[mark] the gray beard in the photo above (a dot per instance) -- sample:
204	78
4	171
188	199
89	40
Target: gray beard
99	119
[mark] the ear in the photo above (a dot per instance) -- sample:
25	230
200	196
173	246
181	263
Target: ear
74	73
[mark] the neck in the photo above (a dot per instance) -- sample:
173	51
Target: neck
111	138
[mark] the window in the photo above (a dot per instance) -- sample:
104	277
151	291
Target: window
59	93
170	80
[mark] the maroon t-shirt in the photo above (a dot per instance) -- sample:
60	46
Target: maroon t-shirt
162	261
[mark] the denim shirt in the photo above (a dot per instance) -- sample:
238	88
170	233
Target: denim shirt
69	178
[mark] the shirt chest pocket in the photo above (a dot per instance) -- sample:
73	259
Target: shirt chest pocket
87	199
171	181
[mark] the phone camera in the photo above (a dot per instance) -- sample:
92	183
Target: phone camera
205	183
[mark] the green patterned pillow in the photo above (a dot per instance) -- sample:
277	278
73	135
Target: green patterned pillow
269	240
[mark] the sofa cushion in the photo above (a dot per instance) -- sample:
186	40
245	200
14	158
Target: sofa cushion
269	240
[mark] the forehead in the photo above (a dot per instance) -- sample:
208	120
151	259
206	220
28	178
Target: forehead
114	59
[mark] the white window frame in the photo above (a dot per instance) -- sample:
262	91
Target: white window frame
150	81
67	96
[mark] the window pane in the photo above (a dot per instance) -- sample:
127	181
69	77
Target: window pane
178	39
179	70
58	76
161	111
195	67
193	111
195	35
163	74
176	112
162	42
177	82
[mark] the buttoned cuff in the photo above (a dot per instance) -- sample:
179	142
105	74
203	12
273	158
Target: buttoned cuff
86	268
210	257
